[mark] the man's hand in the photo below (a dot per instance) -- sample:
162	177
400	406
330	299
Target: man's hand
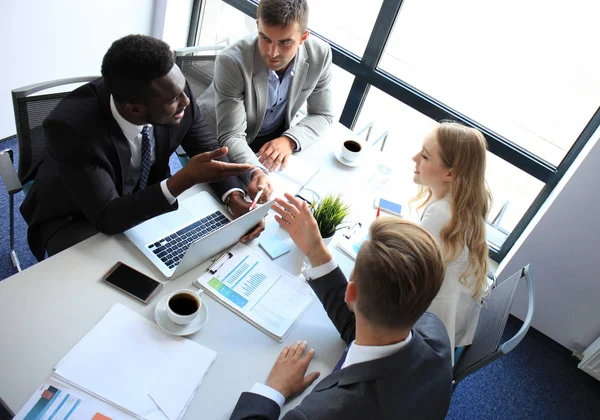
295	217
204	168
287	375
238	207
260	181
276	153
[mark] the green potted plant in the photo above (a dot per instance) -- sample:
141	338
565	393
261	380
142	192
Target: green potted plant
330	214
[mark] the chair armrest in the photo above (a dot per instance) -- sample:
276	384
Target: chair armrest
8	174
516	339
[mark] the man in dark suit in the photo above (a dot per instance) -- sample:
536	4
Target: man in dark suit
397	364
108	143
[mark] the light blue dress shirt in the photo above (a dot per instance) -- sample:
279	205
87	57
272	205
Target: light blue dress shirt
277	99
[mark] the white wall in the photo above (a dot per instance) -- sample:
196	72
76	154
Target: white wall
48	39
563	246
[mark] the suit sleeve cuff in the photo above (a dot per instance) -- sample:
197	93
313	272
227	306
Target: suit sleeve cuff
167	193
268	392
319	271
298	145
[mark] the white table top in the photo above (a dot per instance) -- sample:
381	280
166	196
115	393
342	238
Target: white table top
46	309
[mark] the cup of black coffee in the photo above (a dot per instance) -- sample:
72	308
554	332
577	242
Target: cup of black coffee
183	306
351	150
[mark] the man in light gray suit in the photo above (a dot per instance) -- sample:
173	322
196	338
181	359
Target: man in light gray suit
397	364
261	82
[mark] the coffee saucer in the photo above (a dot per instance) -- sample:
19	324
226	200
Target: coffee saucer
163	321
337	152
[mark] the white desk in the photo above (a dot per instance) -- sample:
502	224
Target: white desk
48	308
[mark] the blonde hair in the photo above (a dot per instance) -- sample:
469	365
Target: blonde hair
463	149
398	272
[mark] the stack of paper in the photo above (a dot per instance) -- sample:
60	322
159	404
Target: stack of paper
127	361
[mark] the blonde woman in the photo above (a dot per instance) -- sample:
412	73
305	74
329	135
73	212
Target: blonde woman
455	201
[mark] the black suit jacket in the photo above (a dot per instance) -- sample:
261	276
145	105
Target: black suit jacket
413	383
86	161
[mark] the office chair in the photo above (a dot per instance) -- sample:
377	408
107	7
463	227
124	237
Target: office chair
199	72
30	112
486	346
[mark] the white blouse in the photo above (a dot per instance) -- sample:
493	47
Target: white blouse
453	304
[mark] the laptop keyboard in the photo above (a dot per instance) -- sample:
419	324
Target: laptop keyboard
172	248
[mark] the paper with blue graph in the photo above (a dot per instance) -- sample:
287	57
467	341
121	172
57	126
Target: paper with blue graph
259	291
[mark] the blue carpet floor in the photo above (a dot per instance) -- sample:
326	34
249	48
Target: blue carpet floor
538	380
25	256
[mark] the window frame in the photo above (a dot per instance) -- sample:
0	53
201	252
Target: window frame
366	74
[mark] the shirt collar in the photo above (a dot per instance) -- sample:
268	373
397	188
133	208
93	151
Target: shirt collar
359	354
291	70
131	131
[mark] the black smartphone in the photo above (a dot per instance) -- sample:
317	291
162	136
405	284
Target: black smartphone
132	282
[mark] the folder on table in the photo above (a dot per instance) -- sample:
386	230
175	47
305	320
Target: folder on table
128	361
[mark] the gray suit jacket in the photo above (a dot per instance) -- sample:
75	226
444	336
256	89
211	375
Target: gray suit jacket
236	102
414	383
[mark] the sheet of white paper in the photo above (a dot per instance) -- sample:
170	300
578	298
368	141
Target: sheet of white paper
283	185
181	378
122	358
297	171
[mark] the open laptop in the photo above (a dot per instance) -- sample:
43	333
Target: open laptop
178	241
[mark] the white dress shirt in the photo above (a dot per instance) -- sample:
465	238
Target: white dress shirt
133	134
356	353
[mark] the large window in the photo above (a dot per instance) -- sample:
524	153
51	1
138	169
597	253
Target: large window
347	23
524	73
525	69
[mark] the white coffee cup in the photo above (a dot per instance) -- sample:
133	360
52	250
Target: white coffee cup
183	306
351	150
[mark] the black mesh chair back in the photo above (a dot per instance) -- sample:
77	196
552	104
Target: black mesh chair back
486	345
30	112
198	70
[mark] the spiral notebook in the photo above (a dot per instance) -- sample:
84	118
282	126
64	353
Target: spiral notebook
257	290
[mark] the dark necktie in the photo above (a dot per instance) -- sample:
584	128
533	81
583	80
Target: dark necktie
146	163
342	360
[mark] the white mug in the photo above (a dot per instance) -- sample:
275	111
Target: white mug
351	150
183	306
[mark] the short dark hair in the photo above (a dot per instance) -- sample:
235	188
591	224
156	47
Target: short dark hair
398	272
130	65
283	13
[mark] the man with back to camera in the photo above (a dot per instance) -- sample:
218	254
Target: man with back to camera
108	144
397	364
261	82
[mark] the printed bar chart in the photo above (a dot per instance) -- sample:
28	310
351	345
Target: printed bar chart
259	291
